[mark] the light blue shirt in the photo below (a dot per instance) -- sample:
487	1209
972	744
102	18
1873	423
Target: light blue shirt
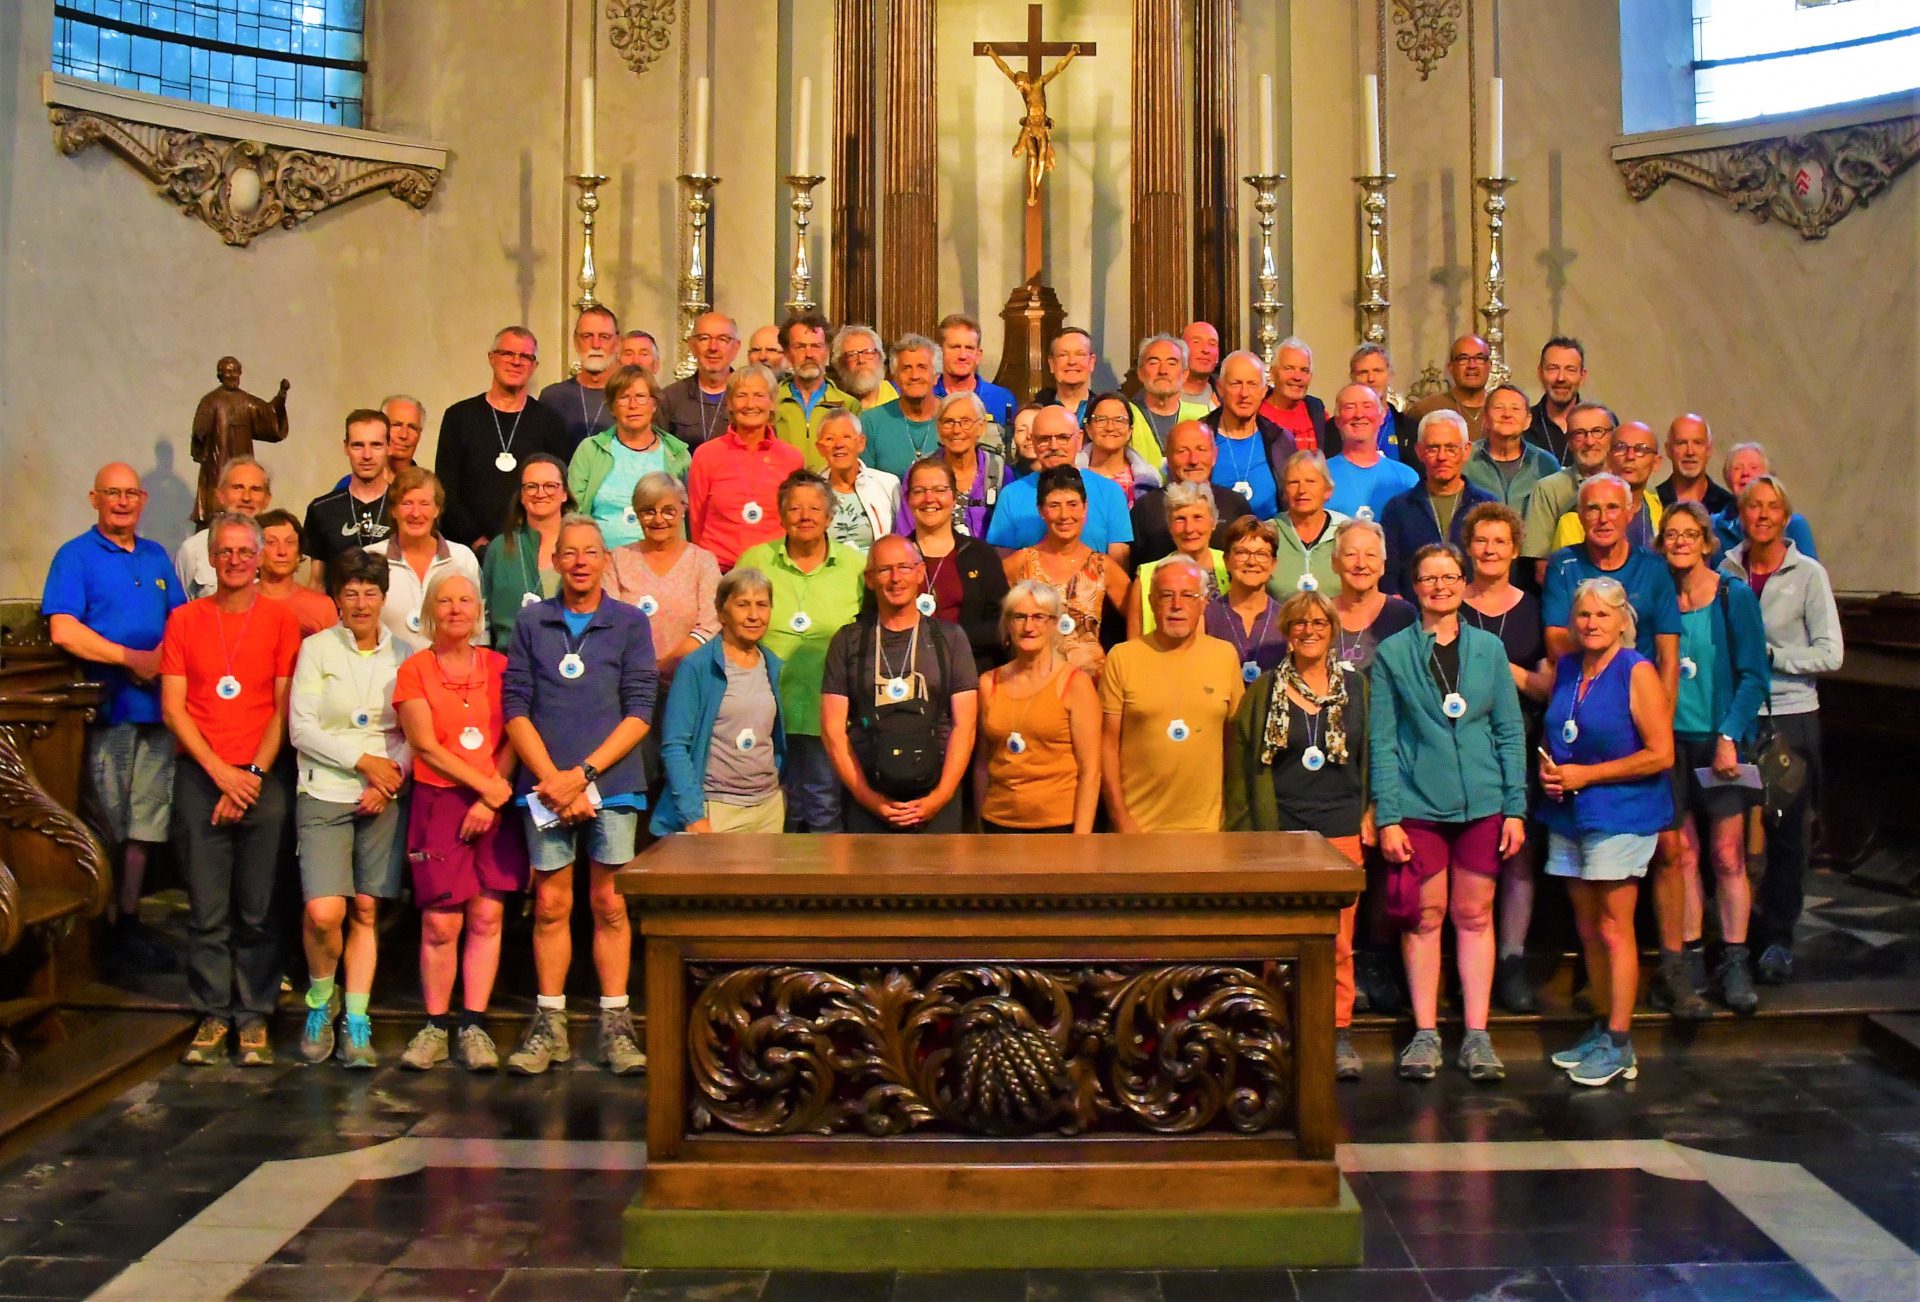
1364	491
612	503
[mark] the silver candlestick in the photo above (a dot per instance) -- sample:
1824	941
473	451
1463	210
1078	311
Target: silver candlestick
800	281
696	285
1266	307
1495	312
1373	301
588	204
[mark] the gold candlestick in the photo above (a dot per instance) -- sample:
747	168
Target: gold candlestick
1495	312
696	285
800	281
1266	307
1372	299
588	204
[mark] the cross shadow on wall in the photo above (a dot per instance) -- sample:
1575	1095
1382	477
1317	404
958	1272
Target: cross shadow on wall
1452	278
1105	225
1556	257
169	500
524	256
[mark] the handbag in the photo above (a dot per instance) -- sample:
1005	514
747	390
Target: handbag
1783	770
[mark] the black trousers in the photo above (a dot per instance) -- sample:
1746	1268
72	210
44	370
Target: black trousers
1782	891
233	945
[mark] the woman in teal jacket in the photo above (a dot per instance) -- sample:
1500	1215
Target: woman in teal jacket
607	466
1450	792
729	688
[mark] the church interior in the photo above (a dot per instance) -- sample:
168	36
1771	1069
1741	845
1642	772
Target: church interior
351	197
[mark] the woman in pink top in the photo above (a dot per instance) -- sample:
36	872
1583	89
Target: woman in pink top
668	578
734	481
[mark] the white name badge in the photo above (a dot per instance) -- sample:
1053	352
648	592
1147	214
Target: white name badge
472	738
1308	583
648	606
753	513
1313	759
1363	513
925	604
1178	730
362	719
745	739
1454	706
1066	625
529	599
633	521
505	462
1344	666
897	689
800	622
1569	732
1016	744
228	687
1688	669
1249	670
571	665
413	621
1243	488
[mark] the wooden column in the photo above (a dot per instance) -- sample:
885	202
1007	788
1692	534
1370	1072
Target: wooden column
852	288
909	248
1216	251
1159	244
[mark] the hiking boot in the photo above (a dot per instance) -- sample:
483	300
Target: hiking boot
544	1044
256	1049
1421	1059
1697	982
475	1049
1346	1058
619	1050
209	1044
1568	1059
1735	979
1512	988
1373	973
1603	1062
1478	1059
356	1045
316	1037
428	1046
1776	965
1671	990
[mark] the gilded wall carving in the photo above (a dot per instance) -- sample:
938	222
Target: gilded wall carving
640	30
991	1049
1425	30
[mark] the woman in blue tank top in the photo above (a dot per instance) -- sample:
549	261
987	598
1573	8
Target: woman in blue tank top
1609	744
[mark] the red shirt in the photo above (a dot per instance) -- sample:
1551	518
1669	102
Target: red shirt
1298	422
727	478
313	609
203	644
454	705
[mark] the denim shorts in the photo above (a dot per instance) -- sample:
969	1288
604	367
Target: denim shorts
1600	856
610	837
131	766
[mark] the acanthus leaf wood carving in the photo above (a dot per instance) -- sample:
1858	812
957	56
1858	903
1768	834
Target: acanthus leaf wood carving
640	30
1425	31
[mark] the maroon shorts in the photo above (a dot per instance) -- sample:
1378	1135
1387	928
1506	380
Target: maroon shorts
447	872
1472	847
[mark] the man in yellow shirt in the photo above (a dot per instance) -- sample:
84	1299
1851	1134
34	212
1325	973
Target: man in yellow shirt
1167	701
1634	456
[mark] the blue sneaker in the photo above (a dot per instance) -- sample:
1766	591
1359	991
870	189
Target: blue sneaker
356	1046
1605	1061
1568	1059
316	1037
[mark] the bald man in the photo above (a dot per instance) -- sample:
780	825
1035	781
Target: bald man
1191	455
1469	367
106	601
695	408
1016	519
1689	448
765	349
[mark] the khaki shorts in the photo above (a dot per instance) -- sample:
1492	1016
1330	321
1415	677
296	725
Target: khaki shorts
770	815
131	768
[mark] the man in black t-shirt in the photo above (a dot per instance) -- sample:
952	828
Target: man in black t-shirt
356	514
485	439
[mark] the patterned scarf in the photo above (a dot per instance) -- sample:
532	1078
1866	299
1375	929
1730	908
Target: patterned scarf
1332	708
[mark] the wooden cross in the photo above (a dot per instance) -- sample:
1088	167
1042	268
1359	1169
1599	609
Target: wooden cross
1035	50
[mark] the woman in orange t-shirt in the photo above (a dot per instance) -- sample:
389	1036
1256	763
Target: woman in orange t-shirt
1039	749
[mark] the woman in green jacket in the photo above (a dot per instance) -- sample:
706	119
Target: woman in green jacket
517	569
1450	793
607	466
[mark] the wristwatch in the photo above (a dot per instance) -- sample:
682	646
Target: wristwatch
254	769
589	772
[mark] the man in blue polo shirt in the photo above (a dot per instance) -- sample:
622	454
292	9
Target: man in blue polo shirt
1016	519
1606	553
959	338
106	602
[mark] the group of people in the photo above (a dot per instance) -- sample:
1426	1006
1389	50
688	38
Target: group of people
852	587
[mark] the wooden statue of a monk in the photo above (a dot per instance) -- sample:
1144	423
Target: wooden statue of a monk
1036	128
226	424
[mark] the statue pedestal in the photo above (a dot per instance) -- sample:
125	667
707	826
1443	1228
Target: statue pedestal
1033	316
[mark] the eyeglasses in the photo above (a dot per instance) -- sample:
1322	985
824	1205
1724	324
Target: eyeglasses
860	355
1683	535
1031	617
1461	359
701	341
1042	440
1108	422
1443	450
510	355
958	422
1310	626
1597	432
658	513
236	553
542	489
1635	450
122	494
573	554
1439	581
635	395
888	571
1249	554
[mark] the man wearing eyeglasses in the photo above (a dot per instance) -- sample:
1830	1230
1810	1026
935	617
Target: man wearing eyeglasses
1606	552
1590	429
1191	455
807	394
765	349
1632	456
580	400
1435	509
1016	519
901	432
859	360
106	600
245	488
695	408
1469	367
485	439
1071	361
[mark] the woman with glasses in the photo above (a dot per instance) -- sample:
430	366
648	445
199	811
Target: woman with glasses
1744	464
607	465
1450	797
1306	529
1367	615
866	501
417	554
1191	520
1299	764
1246	616
965	579
1039	745
977	471
1087	581
668	578
518	568
1109	448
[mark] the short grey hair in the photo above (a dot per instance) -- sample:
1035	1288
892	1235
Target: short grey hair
429	627
1726	462
234	520
962	397
848	332
1443	416
912	343
752	371
1370	350
652	487
1604	478
1180	494
735	582
1609	592
1179	345
1355	525
1296	344
240	463
835	416
1043	595
407	398
581	520
1258	363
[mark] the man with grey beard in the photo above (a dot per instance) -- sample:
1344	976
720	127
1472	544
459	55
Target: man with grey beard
859	359
580	400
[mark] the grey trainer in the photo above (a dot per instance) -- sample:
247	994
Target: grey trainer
1478	1059
619	1049
475	1050
1346	1058
544	1044
428	1046
1421	1059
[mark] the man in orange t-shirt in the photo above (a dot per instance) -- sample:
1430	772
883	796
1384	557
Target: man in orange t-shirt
226	663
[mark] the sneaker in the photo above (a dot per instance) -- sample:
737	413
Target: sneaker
316	1037
1511	986
209	1044
1603	1062
619	1050
476	1049
428	1046
1734	977
1478	1059
544	1044
1346	1058
1420	1060
356	1046
1362	1001
1776	965
256	1049
1672	992
1568	1059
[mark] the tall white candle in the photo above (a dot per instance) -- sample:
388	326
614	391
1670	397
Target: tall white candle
701	91
804	131
1497	130
1370	104
1266	124
586	128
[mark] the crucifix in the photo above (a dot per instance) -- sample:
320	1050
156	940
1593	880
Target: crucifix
1033	314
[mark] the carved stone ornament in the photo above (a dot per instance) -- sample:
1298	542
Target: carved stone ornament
1807	182
991	1049
641	30
1424	30
240	188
